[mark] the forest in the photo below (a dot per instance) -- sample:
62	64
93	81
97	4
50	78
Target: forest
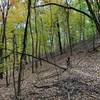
49	49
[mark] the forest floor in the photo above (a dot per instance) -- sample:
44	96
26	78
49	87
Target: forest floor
80	80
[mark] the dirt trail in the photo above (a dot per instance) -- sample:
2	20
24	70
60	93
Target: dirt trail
80	81
84	76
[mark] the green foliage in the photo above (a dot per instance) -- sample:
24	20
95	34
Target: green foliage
46	19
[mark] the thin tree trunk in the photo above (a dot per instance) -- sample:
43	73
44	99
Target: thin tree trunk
24	49
36	46
69	35
14	61
4	42
59	38
32	44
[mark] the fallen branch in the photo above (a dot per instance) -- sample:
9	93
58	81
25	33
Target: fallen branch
39	58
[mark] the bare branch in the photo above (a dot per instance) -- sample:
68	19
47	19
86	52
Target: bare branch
66	7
